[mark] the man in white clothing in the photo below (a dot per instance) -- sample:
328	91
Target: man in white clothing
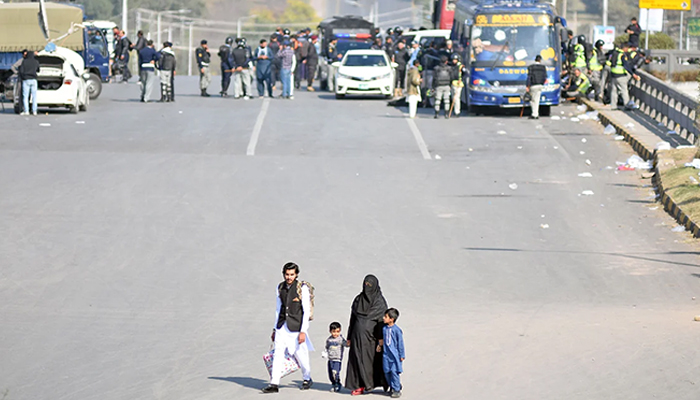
291	327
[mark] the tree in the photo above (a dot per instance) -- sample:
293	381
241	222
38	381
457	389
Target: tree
657	40
298	11
263	15
98	9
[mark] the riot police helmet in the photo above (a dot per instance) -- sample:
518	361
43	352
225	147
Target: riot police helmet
390	31
286	32
456	56
599	43
398	30
581	39
229	40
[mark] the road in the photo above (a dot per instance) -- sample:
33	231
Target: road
142	246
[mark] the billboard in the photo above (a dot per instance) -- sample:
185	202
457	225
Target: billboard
606	34
680	5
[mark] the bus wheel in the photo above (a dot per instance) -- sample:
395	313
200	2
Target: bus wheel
546	111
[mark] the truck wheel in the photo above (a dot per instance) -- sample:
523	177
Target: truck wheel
94	86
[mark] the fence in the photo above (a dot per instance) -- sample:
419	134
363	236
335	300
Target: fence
666	105
674	61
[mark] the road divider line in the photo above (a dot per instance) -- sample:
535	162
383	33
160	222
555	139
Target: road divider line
258	127
419	139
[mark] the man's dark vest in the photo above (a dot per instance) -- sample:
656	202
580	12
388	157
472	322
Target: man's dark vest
291	311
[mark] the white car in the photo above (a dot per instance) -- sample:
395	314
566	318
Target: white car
364	72
62	81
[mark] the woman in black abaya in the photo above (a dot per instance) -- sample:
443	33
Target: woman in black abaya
364	332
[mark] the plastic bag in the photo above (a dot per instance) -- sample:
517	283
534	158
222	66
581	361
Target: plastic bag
290	363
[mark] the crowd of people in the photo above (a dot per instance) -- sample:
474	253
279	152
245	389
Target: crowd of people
375	343
593	72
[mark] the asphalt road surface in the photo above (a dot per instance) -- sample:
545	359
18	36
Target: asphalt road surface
142	244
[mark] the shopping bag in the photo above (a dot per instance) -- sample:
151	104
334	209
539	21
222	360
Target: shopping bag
289	366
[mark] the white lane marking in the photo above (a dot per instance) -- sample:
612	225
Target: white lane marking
258	127
419	139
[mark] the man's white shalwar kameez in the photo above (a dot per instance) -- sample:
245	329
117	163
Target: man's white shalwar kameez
289	341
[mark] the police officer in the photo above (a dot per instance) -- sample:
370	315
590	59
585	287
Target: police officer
458	70
580	61
579	85
203	58
595	68
621	70
226	66
168	65
333	56
442	78
241	66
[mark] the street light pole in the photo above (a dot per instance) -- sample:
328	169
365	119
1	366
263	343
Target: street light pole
238	24
158	26
125	14
189	62
605	12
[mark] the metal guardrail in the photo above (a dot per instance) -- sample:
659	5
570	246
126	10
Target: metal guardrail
666	105
672	61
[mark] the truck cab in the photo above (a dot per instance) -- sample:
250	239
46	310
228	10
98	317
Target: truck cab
96	56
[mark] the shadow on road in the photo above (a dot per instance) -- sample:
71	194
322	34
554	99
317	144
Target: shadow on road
622	255
258	384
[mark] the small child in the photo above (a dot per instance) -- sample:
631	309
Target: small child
393	351
335	346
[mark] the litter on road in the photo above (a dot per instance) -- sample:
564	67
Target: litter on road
581	152
695	164
556	117
501	132
575	119
513	186
437	157
581	108
619	137
609	130
634	162
544	226
629	125
585	175
679	228
583	140
79	122
45	124
587	193
588	162
663	146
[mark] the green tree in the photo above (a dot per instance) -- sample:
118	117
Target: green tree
298	11
98	9
657	40
263	15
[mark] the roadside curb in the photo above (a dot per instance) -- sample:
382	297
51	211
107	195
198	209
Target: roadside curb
648	152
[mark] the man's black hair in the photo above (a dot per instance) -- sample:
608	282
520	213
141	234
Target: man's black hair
334	326
263	41
139	33
570	32
538	58
149	43
290	265
634	19
203	41
392	313
416	62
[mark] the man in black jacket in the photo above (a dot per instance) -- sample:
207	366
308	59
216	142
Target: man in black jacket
311	62
634	31
28	75
400	57
442	79
203	59
536	77
168	64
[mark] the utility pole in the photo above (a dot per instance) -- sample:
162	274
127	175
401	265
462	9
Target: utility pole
680	33
605	12
190	52
125	14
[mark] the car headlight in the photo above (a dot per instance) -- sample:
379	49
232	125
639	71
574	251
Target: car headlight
385	76
343	76
484	89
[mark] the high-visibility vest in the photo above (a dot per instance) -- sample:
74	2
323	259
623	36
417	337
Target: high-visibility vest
593	63
580	53
458	82
583	83
618	67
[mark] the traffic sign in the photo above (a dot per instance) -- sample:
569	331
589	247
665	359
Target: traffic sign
682	5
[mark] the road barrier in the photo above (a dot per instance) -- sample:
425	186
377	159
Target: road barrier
666	105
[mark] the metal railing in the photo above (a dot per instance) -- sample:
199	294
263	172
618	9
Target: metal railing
666	105
673	61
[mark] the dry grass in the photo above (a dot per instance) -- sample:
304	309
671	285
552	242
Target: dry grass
684	192
686	76
659	74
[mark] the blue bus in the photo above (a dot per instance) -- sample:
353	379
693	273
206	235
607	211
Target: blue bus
500	39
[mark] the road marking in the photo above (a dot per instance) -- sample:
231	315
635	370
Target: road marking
419	139
258	126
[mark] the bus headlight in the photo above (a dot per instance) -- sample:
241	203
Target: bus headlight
483	89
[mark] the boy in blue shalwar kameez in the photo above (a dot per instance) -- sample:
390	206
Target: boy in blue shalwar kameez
393	351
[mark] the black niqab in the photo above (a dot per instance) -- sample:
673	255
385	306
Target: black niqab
370	303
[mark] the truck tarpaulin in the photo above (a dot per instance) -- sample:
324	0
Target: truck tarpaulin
19	26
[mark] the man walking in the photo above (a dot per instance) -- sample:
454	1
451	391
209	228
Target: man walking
28	75
124	48
290	333
203	59
536	77
263	55
167	72
149	57
441	84
413	90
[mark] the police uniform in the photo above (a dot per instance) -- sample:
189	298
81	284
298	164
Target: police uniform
203	59
580	57
457	86
226	67
620	77
596	68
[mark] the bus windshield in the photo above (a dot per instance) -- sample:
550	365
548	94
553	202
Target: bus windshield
494	46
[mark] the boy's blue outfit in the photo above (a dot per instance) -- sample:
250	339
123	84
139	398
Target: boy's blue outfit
335	348
393	353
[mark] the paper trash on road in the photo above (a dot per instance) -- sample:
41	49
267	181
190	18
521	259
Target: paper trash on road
581	107
634	162
629	125
556	117
588	162
513	186
544	226
581	152
79	122
679	228
609	130
663	146
592	115
501	132
45	124
619	137
695	164
583	140
585	175
437	157
575	119
587	193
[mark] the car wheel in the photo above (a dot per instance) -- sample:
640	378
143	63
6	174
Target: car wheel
73	109
339	96
18	108
545	111
83	107
324	84
94	86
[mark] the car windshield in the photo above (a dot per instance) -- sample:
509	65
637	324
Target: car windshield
509	46
365	60
342	47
